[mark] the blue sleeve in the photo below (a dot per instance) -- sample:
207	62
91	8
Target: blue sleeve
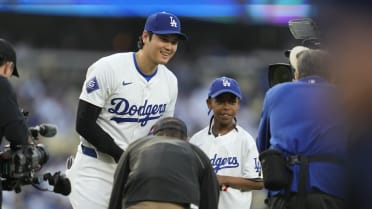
264	135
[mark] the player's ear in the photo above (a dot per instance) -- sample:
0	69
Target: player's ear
8	69
209	103
145	36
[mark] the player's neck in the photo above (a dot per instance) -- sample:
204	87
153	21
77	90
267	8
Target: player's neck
145	65
221	129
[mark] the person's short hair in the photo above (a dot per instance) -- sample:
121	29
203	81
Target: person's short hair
293	55
170	126
140	43
313	62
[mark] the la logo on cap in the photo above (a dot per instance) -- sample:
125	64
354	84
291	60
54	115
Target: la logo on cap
173	22
226	82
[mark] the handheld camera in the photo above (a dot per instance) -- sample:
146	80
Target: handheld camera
303	29
19	165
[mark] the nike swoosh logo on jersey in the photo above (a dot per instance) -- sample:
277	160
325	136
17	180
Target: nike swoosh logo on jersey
124	84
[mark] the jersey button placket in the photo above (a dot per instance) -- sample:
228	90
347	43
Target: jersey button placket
145	94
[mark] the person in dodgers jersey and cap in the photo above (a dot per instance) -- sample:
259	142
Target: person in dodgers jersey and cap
123	95
231	149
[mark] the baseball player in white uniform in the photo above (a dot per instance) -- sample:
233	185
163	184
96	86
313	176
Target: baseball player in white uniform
123	95
231	149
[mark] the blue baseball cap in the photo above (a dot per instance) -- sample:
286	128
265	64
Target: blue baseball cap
164	23
223	85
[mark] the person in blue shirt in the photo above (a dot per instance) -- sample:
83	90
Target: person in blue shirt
303	120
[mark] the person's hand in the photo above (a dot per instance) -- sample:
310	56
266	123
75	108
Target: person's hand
222	183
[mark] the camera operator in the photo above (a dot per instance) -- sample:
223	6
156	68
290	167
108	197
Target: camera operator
303	129
12	121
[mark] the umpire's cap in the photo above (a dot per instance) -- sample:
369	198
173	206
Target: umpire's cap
7	53
170	123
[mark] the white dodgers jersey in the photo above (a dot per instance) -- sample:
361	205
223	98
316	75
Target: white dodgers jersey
130	104
233	154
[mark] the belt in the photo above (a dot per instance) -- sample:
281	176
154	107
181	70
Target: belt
89	151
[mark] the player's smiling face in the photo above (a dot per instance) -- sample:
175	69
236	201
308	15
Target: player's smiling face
161	48
224	106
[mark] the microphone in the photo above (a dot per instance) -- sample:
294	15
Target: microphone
46	130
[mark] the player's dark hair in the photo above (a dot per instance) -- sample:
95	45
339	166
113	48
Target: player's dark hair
2	61
140	43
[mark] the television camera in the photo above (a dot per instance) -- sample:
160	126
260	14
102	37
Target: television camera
19	165
307	32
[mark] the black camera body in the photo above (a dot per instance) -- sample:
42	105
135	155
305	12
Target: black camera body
22	161
19	165
306	30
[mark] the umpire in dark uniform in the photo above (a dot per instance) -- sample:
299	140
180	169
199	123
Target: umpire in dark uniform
164	171
12	122
303	120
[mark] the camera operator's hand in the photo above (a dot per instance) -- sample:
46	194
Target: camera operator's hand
60	182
